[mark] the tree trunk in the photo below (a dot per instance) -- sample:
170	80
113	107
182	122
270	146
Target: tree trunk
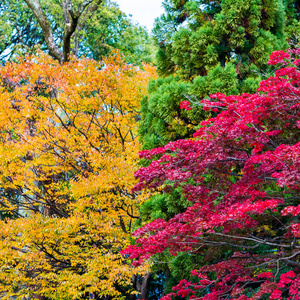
142	285
74	20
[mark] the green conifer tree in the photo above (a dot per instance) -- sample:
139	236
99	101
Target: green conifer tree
212	46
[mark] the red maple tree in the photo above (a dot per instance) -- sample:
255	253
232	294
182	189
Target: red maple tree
241	174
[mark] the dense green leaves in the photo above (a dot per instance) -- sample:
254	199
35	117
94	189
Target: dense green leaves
19	31
162	118
211	47
111	29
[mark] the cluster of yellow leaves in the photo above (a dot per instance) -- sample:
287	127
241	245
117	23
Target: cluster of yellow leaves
68	151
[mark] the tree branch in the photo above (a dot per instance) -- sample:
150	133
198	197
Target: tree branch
35	6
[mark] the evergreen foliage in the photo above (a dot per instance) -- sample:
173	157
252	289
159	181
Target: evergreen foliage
162	118
211	46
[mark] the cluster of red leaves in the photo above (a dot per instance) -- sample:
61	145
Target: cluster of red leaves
185	105
233	279
241	170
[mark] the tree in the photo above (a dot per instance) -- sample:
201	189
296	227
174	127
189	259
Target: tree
111	29
74	15
215	46
240	174
98	34
205	47
69	147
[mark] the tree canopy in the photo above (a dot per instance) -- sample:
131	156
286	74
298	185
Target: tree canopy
240	174
101	28
212	46
69	148
209	208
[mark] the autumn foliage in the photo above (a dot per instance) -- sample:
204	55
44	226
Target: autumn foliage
241	174
68	148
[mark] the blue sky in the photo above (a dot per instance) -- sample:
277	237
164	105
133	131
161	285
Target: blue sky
142	11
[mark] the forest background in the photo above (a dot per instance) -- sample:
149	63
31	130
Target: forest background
214	201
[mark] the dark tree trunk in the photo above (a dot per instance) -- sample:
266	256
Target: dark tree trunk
141	285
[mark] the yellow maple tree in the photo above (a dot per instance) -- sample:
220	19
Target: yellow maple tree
68	151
